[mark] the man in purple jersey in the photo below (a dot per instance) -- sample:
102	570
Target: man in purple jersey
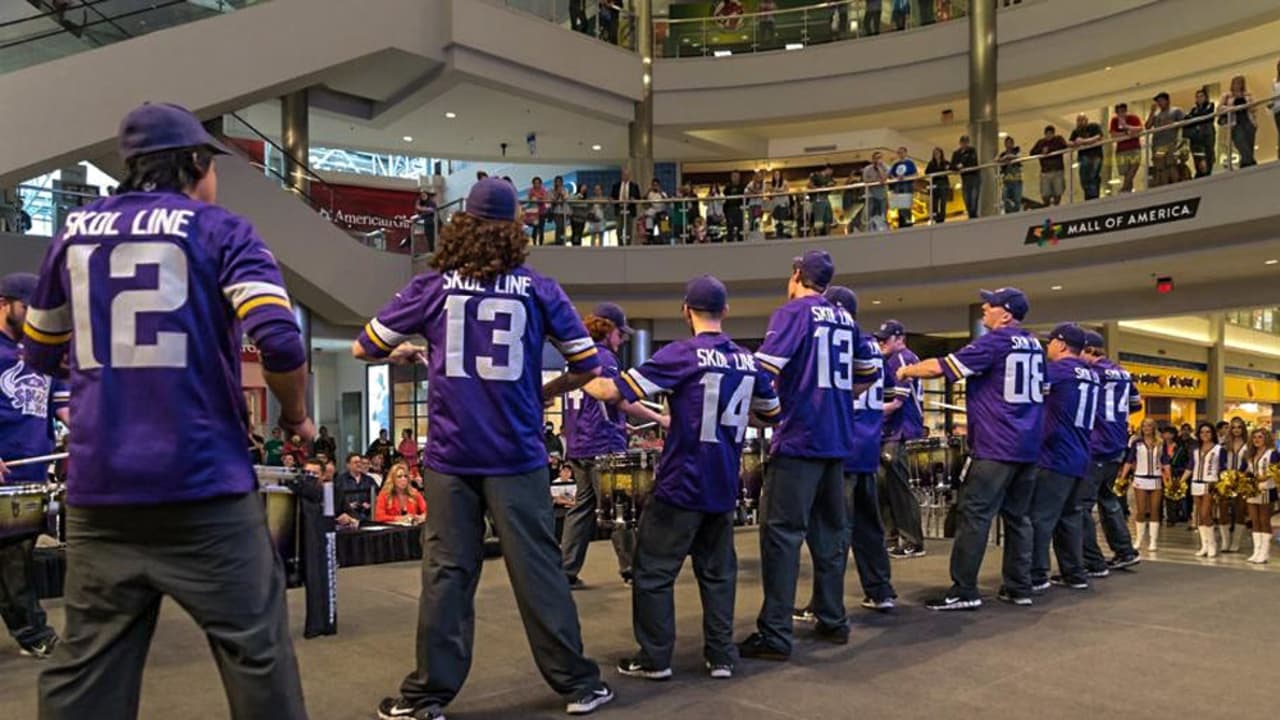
1070	407
148	294
864	532
29	401
1003	372
903	421
485	316
811	348
593	429
1117	398
716	389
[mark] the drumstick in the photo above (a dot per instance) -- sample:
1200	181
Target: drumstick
645	426
945	406
37	459
654	406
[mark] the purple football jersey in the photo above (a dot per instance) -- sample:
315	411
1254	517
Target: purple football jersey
28	401
1069	413
868	412
591	427
907	422
812	346
1118	397
484	363
1004	394
152	291
714	387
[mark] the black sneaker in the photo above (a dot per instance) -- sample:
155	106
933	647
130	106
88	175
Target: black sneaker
576	583
804	615
951	602
1008	597
1098	572
834	635
1073	583
590	700
399	709
1040	588
906	552
883	605
635	667
720	670
41	649
755	647
626	579
1119	563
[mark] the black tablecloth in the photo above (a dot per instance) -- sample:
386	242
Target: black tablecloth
373	544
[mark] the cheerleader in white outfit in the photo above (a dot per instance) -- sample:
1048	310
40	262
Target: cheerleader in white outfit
1231	510
1206	463
1260	456
1149	466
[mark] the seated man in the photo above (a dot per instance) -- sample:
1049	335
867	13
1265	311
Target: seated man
354	490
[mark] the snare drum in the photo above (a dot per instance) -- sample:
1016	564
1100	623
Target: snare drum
282	514
22	510
629	473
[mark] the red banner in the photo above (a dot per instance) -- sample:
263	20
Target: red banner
369	210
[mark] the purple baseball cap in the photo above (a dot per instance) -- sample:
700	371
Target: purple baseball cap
890	328
1009	298
614	314
1093	340
152	127
1070	333
815	266
18	286
706	293
843	297
492	199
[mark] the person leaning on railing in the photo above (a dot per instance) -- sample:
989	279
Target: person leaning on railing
1202	135
1011	175
940	185
1128	150
1243	122
1164	143
1086	138
965	161
1052	168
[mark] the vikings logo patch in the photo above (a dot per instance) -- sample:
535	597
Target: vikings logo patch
27	393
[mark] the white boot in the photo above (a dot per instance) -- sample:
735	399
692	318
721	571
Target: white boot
1141	527
1237	534
1264	543
1257	548
1213	543
1153	528
1222	537
1206	533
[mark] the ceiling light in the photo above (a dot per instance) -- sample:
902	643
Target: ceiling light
1055	287
723	53
1004	134
408	138
1107	68
597	148
795	46
1271	262
875	302
451	115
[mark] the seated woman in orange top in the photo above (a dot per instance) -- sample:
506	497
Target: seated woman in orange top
399	501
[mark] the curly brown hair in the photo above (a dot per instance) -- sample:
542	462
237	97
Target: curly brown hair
598	327
481	249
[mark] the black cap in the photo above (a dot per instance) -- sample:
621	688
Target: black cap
843	297
816	266
614	314
1161	95
1070	333
1093	340
1009	298
890	328
706	293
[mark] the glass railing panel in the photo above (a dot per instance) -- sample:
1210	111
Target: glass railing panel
611	21
34	33
706	29
834	206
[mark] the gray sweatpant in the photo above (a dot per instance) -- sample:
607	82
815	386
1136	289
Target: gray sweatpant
215	559
452	554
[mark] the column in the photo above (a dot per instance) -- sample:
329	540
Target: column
295	136
641	129
976	328
1111	339
1214	399
641	342
983	127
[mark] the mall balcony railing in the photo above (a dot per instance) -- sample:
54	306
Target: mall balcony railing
870	207
795	28
609	21
60	29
